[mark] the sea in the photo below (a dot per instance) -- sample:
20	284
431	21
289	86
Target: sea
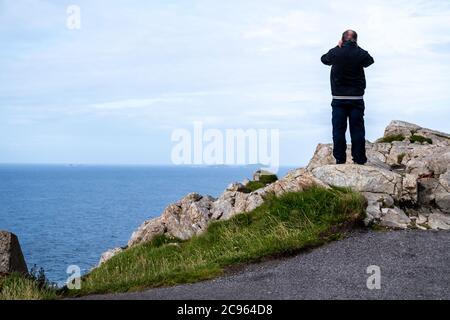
69	215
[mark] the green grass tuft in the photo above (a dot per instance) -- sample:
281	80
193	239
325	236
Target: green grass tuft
253	186
420	139
264	180
391	138
20	287
400	158
280	226
268	178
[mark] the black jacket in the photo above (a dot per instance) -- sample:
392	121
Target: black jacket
347	72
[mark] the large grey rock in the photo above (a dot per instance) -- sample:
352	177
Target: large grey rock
361	178
295	181
409	189
188	217
407	129
422	168
11	256
394	218
439	221
442	192
426	190
109	254
376	202
147	231
182	220
397	127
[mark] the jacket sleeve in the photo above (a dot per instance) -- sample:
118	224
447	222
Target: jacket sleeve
367	60
328	58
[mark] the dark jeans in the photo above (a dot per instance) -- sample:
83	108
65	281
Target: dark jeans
353	110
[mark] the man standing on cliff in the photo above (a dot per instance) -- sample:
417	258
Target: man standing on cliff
348	84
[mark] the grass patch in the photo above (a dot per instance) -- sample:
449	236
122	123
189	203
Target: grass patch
264	180
420	139
280	226
268	178
253	186
19	287
400	158
391	138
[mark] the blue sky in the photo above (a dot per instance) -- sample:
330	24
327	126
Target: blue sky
114	91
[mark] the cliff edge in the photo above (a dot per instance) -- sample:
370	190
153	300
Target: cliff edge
406	184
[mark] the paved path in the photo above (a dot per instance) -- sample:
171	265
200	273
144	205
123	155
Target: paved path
414	265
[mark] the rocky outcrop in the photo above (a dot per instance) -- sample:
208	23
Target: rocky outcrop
191	215
183	219
406	184
361	178
11	256
408	129
109	254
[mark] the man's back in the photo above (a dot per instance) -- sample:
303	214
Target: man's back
348	84
347	72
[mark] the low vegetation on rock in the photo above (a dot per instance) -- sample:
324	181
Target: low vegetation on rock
17	286
400	157
263	181
420	139
280	226
391	138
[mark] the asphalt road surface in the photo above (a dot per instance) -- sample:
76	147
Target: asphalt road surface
412	265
